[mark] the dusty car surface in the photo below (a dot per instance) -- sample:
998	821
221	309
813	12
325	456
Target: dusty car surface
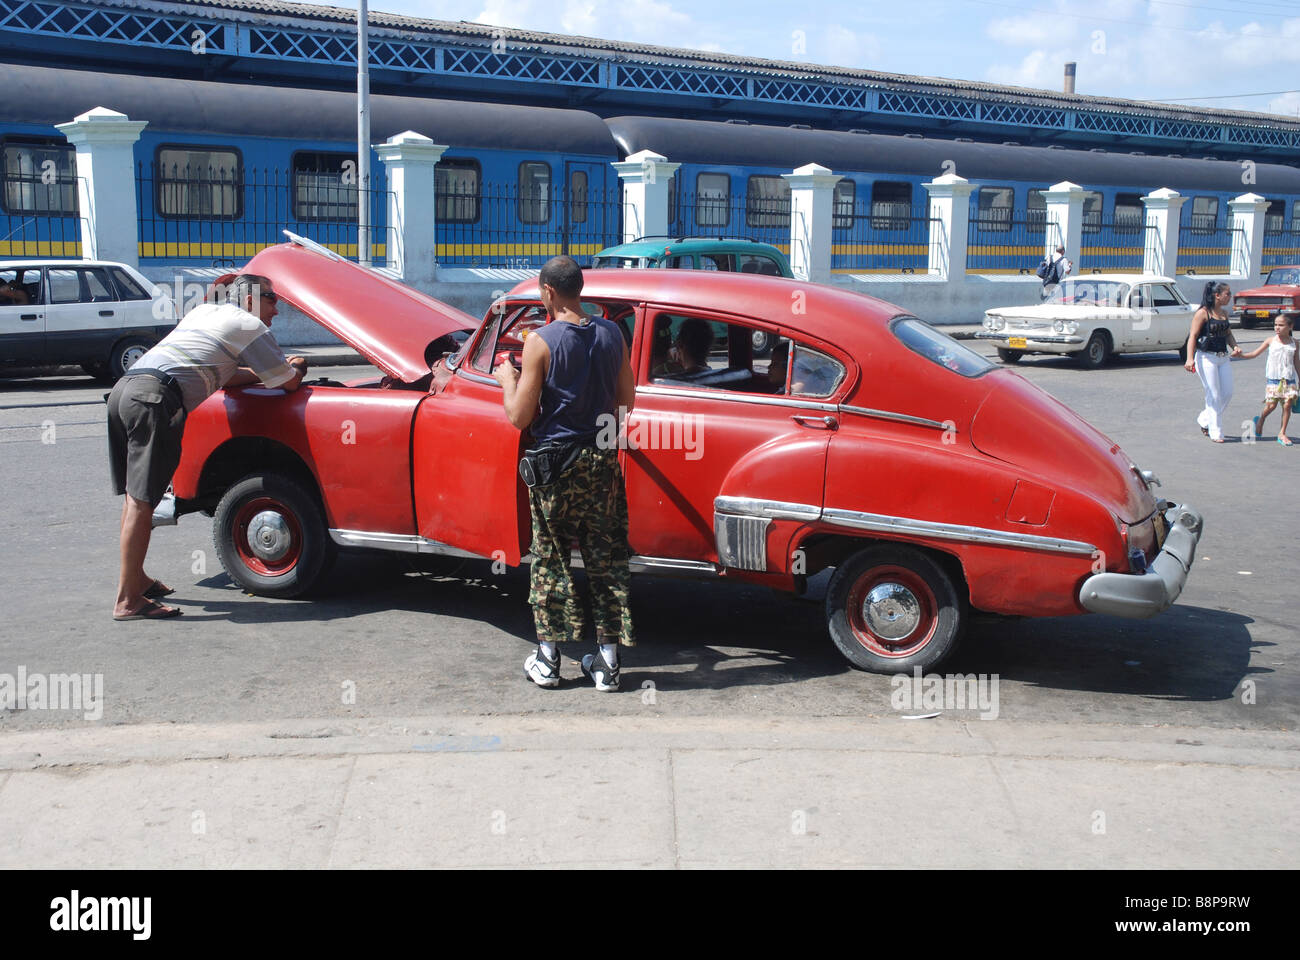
1279	293
1093	318
933	482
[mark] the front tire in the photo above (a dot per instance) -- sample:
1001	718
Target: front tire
1097	353
892	607
1248	323
1010	356
271	537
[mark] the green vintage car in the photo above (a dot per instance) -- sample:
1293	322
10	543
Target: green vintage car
701	253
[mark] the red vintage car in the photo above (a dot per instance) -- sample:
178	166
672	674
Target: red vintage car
933	482
1279	293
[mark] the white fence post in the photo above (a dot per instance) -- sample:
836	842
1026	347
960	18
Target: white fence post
949	225
1248	212
105	142
1065	208
812	209
1162	218
412	243
645	180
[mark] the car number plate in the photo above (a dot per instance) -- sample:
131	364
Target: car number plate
1019	343
1261	313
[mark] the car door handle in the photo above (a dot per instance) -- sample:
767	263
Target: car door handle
820	423
106	313
29	316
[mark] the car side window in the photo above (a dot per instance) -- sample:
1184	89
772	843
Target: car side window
699	353
20	286
98	288
1141	298
1164	297
681	262
717	261
65	286
813	373
128	288
751	263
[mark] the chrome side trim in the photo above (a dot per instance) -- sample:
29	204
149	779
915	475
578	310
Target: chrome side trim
760	399
772	509
663	566
741	541
398	542
476	377
952	531
898	417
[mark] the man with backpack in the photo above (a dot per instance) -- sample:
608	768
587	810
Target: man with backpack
1053	270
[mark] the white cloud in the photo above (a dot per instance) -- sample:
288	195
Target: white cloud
846	48
1288	104
1024	31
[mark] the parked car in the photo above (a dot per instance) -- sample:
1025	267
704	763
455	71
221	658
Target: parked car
103	316
701	253
1093	318
934	483
1280	293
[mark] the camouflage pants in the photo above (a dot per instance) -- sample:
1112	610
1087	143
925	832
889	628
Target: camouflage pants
588	505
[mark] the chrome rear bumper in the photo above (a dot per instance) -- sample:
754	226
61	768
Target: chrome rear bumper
1141	595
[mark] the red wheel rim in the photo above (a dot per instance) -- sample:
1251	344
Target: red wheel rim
903	598
277	532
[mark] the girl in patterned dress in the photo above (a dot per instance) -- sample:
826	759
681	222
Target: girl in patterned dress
1280	373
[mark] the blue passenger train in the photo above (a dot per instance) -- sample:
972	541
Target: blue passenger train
223	168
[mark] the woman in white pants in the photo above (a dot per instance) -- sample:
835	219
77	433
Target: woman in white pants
1210	349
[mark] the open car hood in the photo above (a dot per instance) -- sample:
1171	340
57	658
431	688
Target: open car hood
389	323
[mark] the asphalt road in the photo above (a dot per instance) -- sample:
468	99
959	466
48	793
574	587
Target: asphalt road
451	639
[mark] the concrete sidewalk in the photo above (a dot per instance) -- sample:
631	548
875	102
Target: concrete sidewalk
504	791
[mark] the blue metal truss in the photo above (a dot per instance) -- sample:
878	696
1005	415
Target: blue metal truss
107	21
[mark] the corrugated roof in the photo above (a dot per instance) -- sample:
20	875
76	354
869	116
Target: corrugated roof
422	28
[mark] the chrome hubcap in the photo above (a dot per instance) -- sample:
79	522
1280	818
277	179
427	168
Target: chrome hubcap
268	536
891	611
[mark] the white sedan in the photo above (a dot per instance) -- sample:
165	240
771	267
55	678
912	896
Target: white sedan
1093	317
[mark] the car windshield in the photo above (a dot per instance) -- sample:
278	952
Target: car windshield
940	348
1090	293
1285	275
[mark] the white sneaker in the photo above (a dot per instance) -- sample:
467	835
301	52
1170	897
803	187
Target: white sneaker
543	672
601	673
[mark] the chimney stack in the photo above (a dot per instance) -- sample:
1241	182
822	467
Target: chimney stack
1069	76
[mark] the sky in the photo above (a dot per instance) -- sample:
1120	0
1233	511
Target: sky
1236	54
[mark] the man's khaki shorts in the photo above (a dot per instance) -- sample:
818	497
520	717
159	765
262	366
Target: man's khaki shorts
145	424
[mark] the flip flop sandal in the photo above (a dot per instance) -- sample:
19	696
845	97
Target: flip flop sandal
157	591
1259	432
1204	430
152	610
1285	441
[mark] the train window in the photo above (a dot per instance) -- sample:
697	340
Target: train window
712	199
1092	207
325	186
767	202
1129	212
994	206
1275	216
1205	214
1295	216
194	182
40	177
534	191
578	196
456	187
891	205
1036	207
845	200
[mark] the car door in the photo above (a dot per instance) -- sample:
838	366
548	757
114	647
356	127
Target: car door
1140	328
732	431
1173	316
22	316
84	316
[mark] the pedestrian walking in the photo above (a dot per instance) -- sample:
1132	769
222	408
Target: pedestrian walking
575	376
148	406
1054	268
1210	349
1281	386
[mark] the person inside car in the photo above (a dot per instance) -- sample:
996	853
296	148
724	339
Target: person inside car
689	353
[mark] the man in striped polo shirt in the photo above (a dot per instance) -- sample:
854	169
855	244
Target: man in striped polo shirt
217	345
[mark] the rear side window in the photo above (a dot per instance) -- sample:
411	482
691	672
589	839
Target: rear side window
752	263
940	348
128	287
99	288
717	261
813	373
65	286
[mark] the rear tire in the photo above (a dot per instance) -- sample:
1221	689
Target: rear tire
763	342
1010	356
1182	353
892	607
1097	353
1248	323
125	353
271	537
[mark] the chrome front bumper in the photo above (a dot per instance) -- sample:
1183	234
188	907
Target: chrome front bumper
1141	595
1031	338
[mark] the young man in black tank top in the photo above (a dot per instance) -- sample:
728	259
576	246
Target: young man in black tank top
574	377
